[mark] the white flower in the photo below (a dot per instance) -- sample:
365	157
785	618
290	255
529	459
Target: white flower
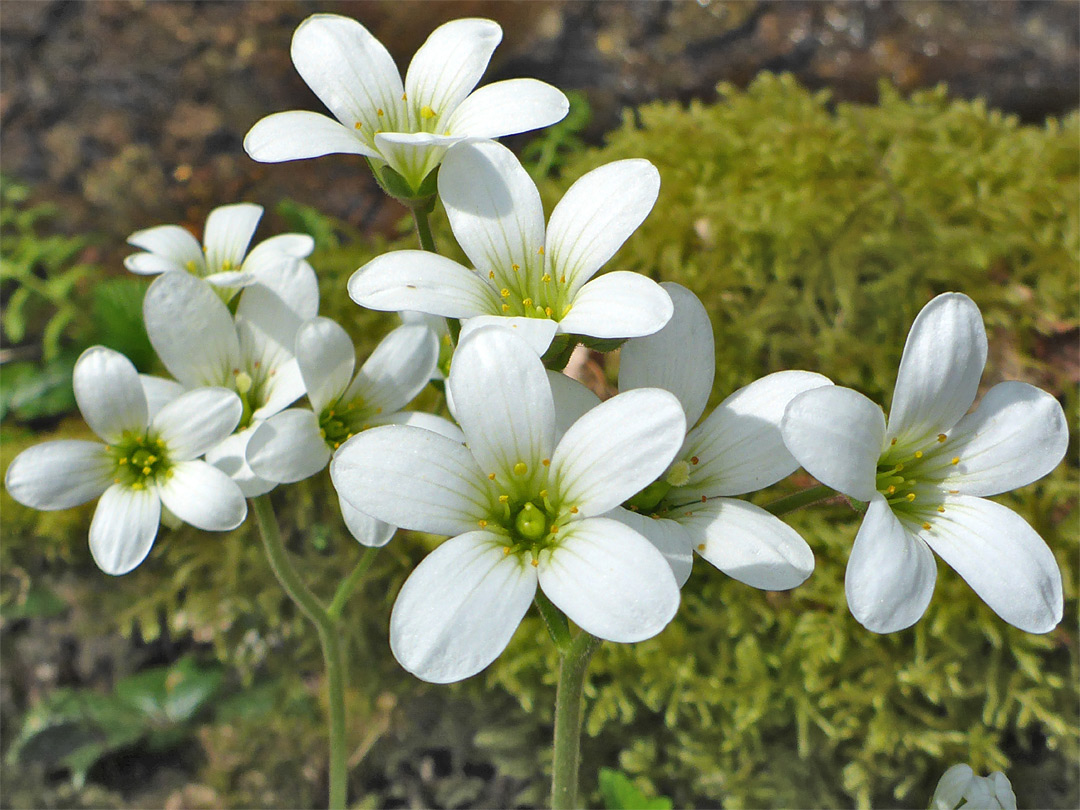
925	473
538	280
406	126
296	443
201	343
146	462
736	450
523	509
224	260
960	789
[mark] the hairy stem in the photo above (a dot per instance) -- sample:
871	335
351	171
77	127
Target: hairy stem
423	230
348	585
568	713
798	500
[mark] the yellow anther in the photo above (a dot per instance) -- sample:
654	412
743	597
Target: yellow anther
145	470
491	274
521	468
350	435
505	293
704	499
541	250
427	112
505	307
526	302
358	125
504	498
694	459
491	476
543	493
404	96
379	112
890	490
482	524
535	562
116	480
548	311
941	508
573	510
954	492
562	278
545	278
122	461
941	437
137	485
925	525
892	443
918	454
955	460
515	267
555	529
546	462
337	445
701	547
506	551
911	496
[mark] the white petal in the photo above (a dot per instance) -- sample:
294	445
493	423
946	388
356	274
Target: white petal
1017	435
413	478
537	332
349	70
1001	558
427	421
159	392
325	354
231	280
147	264
617	449
397	370
267	327
231	458
618	305
952	787
124	527
59	475
680	358
287	447
299	134
365	529
572	401
291	278
503	403
413	155
508	107
449	64
836	435
1002	790
458	610
196	421
228	233
749	544
890	574
191	330
940	370
203	496
670	539
494	210
596	215
422	281
109	393
610	581
172	243
739	447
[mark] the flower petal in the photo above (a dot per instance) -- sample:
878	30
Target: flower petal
609	580
458	610
503	403
427	421
422	281
1017	435
124	527
228	233
739	447
174	246
148	264
413	478
508	107
266	327
616	449
940	370
350	71
596	215
836	435
299	134
59	475
196	421
670	539
1002	558
537	332
397	370
680	358
159	392
749	544
326	357
278	263
203	496
109	393
287	447
366	530
449	64
231	458
495	211
572	401
619	304
413	155
191	330
890	574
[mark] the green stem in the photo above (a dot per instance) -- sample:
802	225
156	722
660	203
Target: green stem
328	640
345	589
555	621
798	500
568	713
423	230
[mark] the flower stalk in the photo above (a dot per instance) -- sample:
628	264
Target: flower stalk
573	666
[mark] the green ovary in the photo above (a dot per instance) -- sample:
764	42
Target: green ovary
341	421
531	292
911	480
527	518
141	460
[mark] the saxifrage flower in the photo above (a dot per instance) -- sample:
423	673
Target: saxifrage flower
406	126
540	280
925	474
145	463
524	511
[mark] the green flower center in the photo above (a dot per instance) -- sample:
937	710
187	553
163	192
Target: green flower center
140	460
341	421
532	291
910	480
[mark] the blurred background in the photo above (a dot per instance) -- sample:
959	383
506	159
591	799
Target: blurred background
814	214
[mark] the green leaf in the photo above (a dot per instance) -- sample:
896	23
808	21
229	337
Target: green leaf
619	793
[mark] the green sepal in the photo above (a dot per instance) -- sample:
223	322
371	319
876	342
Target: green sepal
649	498
603	345
558	353
417	199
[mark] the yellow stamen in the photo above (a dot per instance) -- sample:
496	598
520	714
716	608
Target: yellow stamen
515	267
426	112
918	454
911	496
504	498
955	460
505	293
573	510
521	468
491	476
941	437
482	524
526	302
941	508
701	547
545	278
926	525
541	250
546	462
535	562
